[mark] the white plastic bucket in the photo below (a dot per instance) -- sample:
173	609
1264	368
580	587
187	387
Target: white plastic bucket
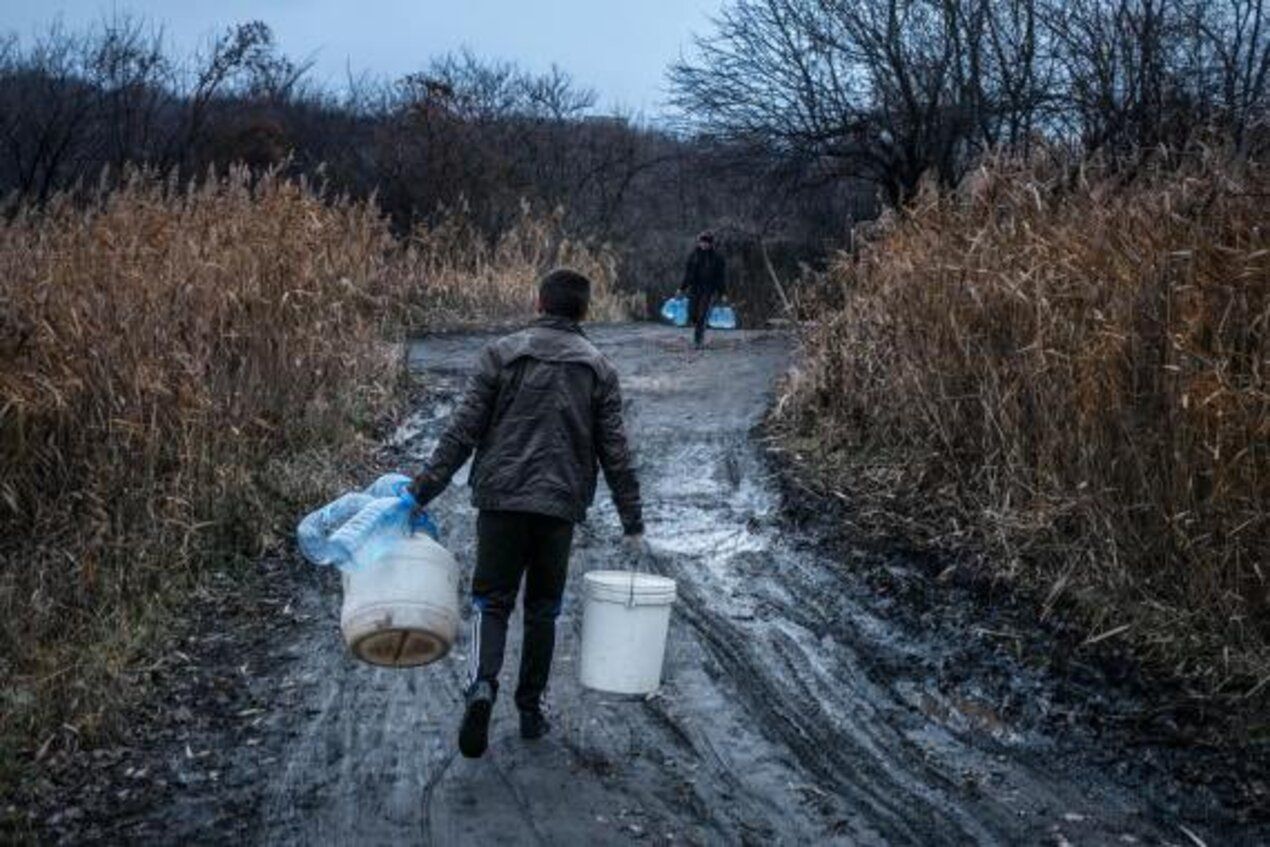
625	618
403	610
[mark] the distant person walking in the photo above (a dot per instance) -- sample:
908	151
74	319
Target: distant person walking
543	410
704	282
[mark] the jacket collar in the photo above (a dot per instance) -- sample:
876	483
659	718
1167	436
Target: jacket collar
557	322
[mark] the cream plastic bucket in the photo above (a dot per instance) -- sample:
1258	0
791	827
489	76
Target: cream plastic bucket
403	610
625	619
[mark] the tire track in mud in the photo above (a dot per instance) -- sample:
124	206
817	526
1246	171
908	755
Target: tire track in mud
847	730
765	670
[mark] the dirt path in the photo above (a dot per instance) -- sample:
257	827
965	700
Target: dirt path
803	703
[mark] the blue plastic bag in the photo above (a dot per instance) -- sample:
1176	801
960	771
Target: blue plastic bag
675	311
721	317
354	530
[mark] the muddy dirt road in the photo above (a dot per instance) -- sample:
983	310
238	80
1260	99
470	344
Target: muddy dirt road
801	704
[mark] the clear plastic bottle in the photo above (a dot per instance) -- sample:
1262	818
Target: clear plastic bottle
365	536
314	532
389	485
355	530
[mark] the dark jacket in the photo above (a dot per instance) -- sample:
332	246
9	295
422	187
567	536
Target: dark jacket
542	411
704	274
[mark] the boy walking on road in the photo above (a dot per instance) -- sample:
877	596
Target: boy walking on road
704	281
543	409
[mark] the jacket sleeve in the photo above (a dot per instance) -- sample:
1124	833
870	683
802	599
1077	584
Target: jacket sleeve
615	456
463	431
723	277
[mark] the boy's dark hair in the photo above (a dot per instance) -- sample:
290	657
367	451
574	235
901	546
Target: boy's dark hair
565	293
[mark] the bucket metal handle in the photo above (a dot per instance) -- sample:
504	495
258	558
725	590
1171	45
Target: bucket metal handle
640	562
636	563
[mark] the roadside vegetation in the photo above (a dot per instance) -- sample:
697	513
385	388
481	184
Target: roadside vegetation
1065	374
183	368
467	279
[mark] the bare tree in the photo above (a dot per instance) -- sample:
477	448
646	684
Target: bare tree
45	108
892	89
881	89
132	77
1234	61
243	52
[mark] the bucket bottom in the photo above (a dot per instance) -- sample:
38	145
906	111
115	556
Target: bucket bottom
399	634
400	648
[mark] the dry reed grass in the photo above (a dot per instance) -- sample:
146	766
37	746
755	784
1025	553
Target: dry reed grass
161	348
1069	375
180	368
473	280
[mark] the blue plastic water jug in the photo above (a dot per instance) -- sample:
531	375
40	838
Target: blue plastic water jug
675	311
721	317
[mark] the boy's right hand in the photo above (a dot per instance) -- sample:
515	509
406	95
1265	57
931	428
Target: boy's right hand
636	544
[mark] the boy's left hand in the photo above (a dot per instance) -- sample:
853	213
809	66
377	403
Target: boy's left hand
418	490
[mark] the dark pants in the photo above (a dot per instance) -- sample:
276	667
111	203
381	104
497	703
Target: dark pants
699	303
509	544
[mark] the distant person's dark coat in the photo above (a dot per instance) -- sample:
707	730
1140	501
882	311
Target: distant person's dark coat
705	282
704	275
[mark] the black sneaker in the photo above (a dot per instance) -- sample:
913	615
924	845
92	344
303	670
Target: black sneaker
534	725
474	732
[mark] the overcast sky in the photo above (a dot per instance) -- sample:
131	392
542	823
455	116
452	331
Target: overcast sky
619	47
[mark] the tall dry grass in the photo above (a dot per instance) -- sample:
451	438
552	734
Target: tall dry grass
159	350
1069	375
472	279
179	364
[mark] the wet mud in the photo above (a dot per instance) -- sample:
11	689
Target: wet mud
815	691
